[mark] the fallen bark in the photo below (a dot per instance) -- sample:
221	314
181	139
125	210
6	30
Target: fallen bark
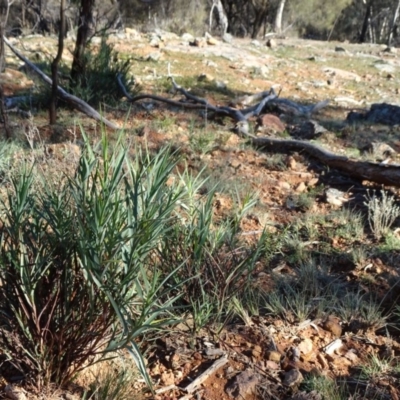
387	174
74	101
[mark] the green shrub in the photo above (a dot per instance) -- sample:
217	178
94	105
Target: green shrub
75	268
99	82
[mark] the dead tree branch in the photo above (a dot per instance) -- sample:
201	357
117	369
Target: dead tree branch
74	101
196	103
387	174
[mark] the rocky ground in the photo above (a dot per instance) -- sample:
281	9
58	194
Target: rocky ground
262	356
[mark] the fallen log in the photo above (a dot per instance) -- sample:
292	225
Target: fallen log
74	101
386	174
240	116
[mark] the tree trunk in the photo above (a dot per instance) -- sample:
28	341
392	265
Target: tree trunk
54	67
279	15
2	55
258	23
222	18
85	26
366	22
393	23
3	113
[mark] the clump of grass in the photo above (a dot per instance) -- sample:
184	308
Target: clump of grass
215	264
325	387
111	379
382	213
359	256
276	162
361	311
202	142
346	223
310	292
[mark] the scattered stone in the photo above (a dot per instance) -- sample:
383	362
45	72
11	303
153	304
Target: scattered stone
274	356
14	393
379	113
271	123
390	49
227	38
154	42
220	85
212	41
284	185
340	49
341	362
243	384
384	66
291	163
199	42
292	378
70	396
379	150
175	361
305	346
260	71
271	43
210	63
340	73
346	100
300	188
317	58
308	130
319	84
256	351
235	164
205	78
154	56
96	40
332	347
272	365
312	182
322	361
132	33
314	395
214	352
336	197
255	43
351	355
187	37
167	378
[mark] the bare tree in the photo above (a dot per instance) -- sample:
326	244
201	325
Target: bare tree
279	15
54	66
222	18
366	21
393	23
3	23
86	23
261	8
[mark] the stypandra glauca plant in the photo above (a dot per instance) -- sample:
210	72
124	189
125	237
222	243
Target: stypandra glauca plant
78	279
216	263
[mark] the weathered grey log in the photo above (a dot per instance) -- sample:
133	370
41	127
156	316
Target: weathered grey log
74	101
387	174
